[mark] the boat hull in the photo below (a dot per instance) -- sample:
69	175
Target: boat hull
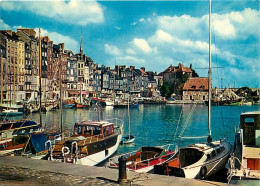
201	168
101	156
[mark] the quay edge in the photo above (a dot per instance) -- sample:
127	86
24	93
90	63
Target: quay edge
99	172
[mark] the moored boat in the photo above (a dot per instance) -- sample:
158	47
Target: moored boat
68	105
10	112
144	159
92	142
125	105
12	134
203	159
197	161
244	163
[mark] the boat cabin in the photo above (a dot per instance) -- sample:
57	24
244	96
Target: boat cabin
93	128
250	126
250	123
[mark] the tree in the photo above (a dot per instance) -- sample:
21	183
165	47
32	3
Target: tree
181	82
165	89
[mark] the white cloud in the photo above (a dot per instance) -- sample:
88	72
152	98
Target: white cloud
4	26
130	51
142	45
230	26
72	12
161	36
112	50
70	44
141	20
133	24
130	60
117	27
224	28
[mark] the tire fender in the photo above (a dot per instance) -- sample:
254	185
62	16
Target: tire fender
203	171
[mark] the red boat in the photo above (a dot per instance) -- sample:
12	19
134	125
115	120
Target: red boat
79	105
144	159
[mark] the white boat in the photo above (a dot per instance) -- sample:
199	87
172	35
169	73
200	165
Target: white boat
109	102
129	138
10	112
244	164
91	143
199	160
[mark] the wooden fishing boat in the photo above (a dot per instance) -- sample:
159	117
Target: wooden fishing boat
244	163
12	134
144	159
10	112
92	142
68	105
80	105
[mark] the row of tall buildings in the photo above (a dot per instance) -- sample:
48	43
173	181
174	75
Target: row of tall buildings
78	74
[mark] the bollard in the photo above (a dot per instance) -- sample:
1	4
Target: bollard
122	176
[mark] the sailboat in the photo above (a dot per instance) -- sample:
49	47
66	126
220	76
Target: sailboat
129	138
199	160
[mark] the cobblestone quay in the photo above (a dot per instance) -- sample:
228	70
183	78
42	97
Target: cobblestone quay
20	170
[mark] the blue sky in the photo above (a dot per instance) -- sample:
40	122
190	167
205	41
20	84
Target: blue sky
153	34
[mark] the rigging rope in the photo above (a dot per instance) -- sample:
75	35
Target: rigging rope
178	123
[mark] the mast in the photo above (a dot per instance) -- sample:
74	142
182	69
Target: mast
40	75
14	84
128	117
2	73
209	83
60	70
114	84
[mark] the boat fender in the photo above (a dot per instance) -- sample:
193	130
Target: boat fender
65	150
203	171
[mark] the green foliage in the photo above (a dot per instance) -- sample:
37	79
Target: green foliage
165	89
180	83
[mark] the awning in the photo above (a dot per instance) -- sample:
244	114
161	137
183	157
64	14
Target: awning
73	92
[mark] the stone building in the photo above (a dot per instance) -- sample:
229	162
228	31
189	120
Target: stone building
196	89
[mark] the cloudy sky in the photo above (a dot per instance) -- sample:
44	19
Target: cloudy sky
152	34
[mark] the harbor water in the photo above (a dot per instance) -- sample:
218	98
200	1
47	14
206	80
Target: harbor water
156	125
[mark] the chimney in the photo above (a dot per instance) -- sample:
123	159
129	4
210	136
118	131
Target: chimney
143	69
191	66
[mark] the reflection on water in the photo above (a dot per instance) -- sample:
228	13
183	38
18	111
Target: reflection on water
156	124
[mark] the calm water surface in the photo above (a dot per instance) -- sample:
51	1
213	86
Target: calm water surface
156	124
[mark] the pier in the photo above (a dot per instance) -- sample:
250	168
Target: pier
90	174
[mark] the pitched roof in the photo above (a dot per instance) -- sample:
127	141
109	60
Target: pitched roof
179	68
198	83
